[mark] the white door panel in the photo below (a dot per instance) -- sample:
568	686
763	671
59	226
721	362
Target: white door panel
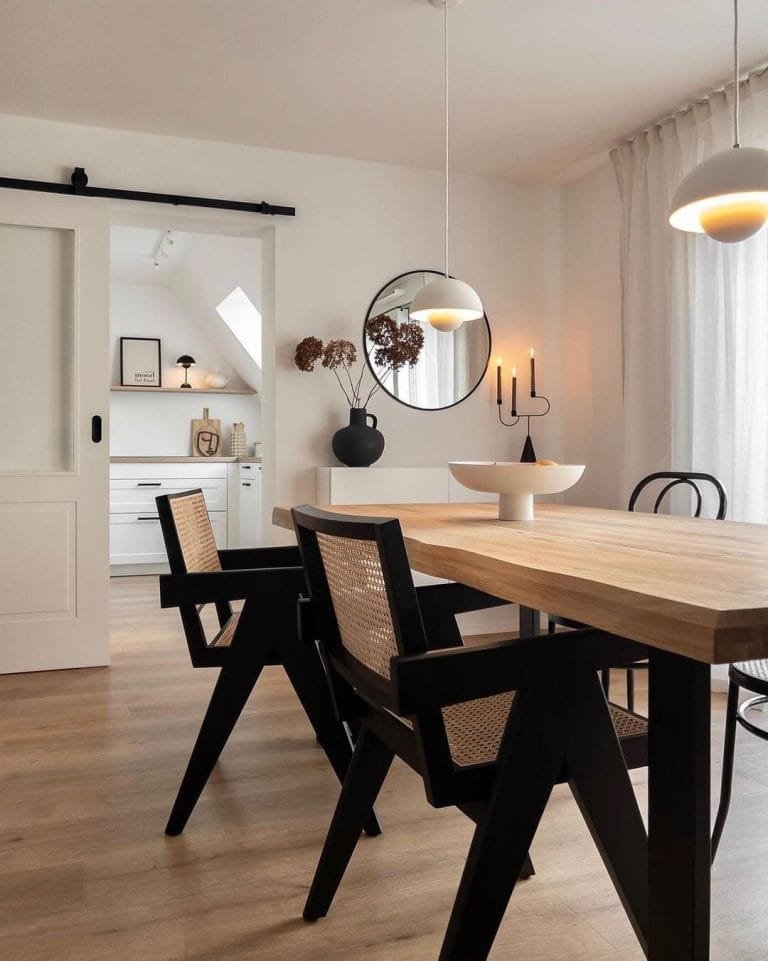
54	314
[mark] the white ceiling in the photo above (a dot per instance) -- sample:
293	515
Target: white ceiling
539	86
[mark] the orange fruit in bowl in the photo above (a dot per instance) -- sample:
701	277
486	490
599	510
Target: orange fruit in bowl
546	463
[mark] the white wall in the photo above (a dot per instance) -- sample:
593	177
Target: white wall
591	337
358	224
159	424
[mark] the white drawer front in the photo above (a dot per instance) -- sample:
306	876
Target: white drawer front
126	496
201	468
137	539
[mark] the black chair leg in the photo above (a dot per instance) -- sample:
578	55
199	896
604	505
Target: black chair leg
476	811
365	776
236	680
728	757
305	671
530	760
598	778
630	690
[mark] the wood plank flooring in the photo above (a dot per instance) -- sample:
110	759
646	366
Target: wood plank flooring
89	764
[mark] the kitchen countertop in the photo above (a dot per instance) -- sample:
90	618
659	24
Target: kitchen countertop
146	459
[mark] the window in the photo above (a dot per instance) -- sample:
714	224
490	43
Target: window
244	320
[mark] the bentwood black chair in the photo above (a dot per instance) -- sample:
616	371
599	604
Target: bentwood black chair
668	481
753	677
269	580
490	729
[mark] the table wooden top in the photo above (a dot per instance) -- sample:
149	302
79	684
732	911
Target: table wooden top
693	587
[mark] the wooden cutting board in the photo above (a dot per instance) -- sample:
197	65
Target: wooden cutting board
206	436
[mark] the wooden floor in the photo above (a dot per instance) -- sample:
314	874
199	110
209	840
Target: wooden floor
90	761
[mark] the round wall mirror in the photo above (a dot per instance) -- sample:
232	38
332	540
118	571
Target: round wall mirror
450	365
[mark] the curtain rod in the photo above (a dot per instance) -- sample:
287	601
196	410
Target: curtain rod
78	187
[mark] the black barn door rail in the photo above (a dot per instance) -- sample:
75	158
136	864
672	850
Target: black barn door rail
78	187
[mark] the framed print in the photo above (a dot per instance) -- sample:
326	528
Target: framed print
140	362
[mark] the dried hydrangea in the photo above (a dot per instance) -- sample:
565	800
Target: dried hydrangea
308	352
335	355
396	344
339	353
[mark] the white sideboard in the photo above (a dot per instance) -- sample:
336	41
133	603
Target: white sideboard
411	485
392	485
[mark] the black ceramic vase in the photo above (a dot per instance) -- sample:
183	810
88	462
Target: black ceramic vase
358	444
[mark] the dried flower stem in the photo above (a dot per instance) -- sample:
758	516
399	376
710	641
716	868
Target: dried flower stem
343	390
355	396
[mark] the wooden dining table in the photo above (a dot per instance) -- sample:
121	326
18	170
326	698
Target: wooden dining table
694	591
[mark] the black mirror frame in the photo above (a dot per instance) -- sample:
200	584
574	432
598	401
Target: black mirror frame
426	410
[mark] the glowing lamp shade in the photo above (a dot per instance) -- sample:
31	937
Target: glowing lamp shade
446	303
726	197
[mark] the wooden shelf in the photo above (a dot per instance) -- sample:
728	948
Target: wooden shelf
184	390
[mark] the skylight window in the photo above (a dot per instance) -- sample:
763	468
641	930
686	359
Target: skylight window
244	320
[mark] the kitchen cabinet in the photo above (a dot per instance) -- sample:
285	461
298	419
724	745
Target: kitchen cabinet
135	538
245	514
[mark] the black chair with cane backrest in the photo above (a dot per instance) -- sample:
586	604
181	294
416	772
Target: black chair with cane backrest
269	581
490	728
694	482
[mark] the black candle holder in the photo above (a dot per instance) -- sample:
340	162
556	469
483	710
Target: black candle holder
528	455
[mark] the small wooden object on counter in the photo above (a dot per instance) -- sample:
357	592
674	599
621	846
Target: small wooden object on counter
206	436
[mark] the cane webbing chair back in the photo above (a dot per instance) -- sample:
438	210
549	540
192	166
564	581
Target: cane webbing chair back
195	533
191	549
360	601
685	479
364	599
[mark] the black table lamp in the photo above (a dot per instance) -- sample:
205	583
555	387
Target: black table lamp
186	362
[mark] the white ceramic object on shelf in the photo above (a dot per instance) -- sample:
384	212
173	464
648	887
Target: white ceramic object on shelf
216	381
515	483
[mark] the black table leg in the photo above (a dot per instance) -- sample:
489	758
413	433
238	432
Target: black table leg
678	808
529	621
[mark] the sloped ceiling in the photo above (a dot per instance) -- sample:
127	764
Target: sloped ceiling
201	270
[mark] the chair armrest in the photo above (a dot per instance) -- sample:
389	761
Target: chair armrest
256	557
439	605
439	678
176	590
455	598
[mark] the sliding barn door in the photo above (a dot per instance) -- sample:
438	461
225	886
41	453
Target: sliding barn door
54	380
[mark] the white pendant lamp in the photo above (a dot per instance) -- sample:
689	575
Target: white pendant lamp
726	197
446	303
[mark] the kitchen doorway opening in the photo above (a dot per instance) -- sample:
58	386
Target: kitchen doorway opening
191	303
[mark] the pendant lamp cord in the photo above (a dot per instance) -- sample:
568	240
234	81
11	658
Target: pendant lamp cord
445	93
736	86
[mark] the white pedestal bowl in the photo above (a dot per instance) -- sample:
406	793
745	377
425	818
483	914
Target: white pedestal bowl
515	483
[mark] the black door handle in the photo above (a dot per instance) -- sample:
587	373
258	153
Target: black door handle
96	429
149	484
